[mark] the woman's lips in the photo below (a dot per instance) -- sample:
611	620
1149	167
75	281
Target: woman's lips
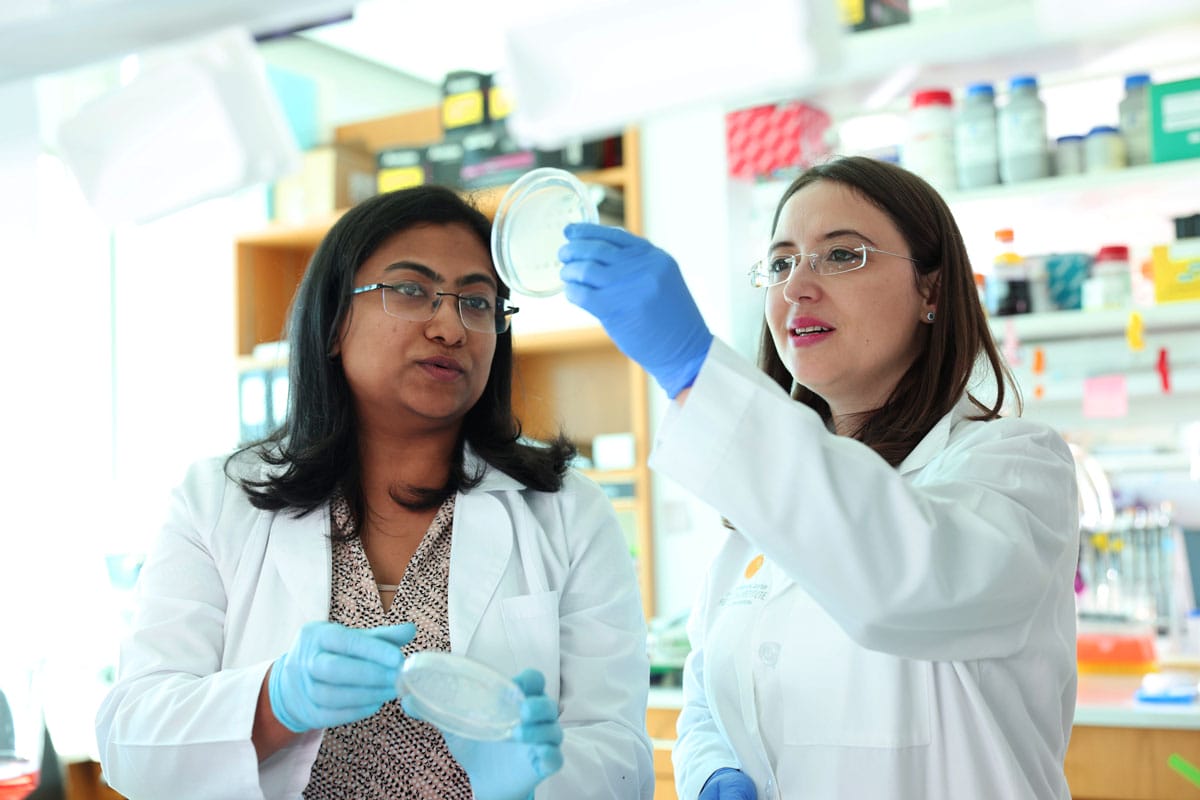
441	368
808	331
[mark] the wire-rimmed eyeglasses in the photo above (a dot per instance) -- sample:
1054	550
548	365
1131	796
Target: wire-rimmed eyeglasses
480	311
834	259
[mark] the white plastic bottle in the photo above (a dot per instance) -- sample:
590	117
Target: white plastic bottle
975	138
1109	285
929	146
1104	149
1135	119
1024	151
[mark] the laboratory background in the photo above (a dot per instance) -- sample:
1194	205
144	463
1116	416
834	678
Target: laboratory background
166	171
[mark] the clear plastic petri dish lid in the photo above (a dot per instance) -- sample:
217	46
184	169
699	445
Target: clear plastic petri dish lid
528	229
460	695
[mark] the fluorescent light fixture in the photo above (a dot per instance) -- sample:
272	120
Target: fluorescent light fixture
595	69
198	121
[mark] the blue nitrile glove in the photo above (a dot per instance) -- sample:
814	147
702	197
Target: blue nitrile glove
510	769
728	784
334	675
638	294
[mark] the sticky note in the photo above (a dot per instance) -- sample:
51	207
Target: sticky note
1105	397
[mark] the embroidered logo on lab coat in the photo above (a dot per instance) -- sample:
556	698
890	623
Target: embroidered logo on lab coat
745	594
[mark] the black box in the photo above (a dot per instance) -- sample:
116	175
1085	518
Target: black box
443	164
465	103
491	157
400	168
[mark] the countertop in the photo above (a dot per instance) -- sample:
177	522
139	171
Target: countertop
1102	701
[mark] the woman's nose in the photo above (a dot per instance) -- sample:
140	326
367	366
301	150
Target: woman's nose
446	323
801	283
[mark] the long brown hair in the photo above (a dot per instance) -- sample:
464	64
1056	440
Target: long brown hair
954	343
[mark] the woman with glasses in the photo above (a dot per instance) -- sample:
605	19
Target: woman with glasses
892	613
396	510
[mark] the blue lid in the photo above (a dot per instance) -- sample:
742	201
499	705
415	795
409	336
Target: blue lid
980	88
1169	694
1022	81
1102	129
1069	138
1137	79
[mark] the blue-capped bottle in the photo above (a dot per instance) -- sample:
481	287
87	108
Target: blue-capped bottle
1135	119
1024	150
976	137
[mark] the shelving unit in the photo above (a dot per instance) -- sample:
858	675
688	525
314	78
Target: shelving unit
575	380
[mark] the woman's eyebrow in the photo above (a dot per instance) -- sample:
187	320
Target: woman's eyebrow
415	267
477	277
834	234
437	277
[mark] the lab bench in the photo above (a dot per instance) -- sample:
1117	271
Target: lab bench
1118	751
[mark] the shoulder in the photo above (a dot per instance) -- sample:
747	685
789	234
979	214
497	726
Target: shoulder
1016	434
211	487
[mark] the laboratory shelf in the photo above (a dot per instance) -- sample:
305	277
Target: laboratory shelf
1059	325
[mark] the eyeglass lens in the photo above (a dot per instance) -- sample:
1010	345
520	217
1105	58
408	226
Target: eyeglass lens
418	303
830	260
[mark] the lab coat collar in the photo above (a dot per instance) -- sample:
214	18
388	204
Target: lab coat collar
302	552
480	548
938	437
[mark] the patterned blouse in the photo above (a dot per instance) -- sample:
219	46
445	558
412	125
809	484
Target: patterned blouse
388	755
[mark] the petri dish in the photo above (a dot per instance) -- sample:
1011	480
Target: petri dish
528	229
460	695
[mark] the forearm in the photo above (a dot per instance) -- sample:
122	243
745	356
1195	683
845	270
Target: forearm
268	734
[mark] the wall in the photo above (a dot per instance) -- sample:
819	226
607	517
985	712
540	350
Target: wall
686	208
120	346
349	89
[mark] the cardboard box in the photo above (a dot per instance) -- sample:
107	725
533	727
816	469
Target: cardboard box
1176	268
400	168
1175	120
331	177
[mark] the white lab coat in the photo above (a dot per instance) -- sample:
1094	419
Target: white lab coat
541	580
910	633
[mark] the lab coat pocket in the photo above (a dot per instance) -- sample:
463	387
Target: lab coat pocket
531	625
839	693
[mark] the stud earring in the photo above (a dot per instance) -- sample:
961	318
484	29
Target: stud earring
930	316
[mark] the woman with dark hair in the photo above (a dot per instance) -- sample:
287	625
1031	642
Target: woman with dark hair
892	613
396	510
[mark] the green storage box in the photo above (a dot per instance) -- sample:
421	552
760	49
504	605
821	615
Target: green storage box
1175	120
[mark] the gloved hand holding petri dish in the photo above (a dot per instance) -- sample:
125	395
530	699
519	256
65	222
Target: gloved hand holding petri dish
460	695
528	229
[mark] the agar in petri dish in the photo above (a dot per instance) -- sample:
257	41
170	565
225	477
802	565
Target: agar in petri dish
528	229
460	695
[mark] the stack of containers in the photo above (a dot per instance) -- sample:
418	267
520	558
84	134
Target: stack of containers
1008	290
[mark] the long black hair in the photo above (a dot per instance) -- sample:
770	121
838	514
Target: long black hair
316	448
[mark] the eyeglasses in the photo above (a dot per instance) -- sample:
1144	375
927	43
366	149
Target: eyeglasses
414	301
834	259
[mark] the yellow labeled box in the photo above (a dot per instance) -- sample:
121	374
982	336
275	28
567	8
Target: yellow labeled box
1176	271
331	177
